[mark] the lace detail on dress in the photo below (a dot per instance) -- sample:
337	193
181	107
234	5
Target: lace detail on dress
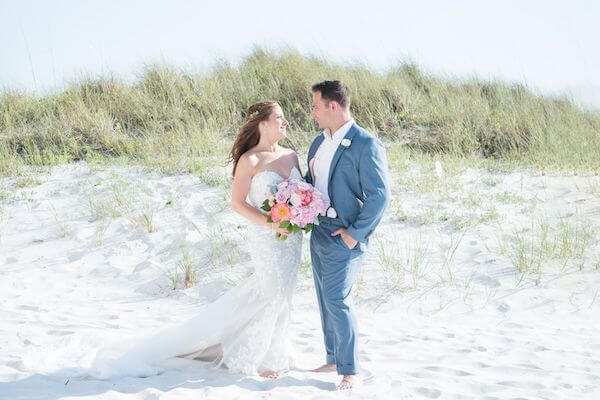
262	344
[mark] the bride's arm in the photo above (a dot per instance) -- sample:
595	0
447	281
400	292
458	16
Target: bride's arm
240	189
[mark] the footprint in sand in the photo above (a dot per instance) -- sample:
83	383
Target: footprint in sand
448	371
486	281
429	393
481	365
396	384
137	246
422	375
25	341
29	308
513	325
145	265
60	333
18	365
463	350
529	366
75	256
503	308
522	385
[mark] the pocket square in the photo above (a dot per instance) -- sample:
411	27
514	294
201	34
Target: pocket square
331	213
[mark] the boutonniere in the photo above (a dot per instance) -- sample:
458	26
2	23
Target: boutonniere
346	143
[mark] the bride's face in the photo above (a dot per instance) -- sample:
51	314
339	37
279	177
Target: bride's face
276	126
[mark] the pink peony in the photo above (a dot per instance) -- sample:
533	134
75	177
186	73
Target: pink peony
280	212
306	197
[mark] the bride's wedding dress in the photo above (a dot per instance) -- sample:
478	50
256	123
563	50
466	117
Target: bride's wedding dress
246	328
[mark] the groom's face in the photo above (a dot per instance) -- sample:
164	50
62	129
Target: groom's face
320	110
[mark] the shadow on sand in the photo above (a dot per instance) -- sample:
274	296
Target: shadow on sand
73	382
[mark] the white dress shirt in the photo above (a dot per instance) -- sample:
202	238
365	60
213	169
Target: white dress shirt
321	162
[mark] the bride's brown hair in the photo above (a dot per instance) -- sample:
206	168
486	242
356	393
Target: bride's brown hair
249	135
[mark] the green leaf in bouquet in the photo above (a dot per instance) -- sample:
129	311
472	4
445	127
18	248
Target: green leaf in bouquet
308	227
269	219
282	237
284	224
265	205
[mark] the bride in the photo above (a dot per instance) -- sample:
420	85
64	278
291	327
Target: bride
246	328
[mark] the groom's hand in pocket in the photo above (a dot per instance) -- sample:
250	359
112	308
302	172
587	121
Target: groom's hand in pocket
348	240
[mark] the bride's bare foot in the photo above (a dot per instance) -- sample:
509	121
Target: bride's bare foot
349	382
325	368
269	374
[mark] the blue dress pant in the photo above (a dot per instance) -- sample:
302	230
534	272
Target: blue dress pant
335	269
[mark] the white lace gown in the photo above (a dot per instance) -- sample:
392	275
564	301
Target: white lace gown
246	328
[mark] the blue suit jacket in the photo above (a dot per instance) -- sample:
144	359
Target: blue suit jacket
358	182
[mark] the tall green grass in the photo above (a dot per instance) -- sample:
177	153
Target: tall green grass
177	121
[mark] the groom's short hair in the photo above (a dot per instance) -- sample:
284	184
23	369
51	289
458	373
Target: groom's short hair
333	90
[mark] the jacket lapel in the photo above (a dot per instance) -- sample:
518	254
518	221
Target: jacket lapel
311	154
338	153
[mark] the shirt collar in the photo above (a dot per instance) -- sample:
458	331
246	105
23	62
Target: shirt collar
340	133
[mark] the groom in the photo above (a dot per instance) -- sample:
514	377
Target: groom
348	165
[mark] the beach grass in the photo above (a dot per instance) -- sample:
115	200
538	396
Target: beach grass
176	121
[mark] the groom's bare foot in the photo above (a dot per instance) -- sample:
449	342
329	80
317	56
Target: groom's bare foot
325	368
269	374
349	382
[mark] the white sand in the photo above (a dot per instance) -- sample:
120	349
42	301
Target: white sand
73	277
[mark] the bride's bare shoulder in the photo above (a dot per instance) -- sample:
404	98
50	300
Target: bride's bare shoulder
249	160
292	154
249	155
288	153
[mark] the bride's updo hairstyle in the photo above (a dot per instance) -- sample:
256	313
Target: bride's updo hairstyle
249	135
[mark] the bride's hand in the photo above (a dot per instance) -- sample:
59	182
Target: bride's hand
281	231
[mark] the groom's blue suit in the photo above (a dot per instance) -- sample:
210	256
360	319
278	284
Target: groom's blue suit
359	192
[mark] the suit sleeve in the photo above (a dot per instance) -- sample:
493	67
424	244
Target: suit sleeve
374	179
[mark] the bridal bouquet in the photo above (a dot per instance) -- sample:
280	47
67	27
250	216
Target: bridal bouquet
296	205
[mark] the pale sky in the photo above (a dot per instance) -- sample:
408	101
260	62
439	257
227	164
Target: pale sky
549	45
